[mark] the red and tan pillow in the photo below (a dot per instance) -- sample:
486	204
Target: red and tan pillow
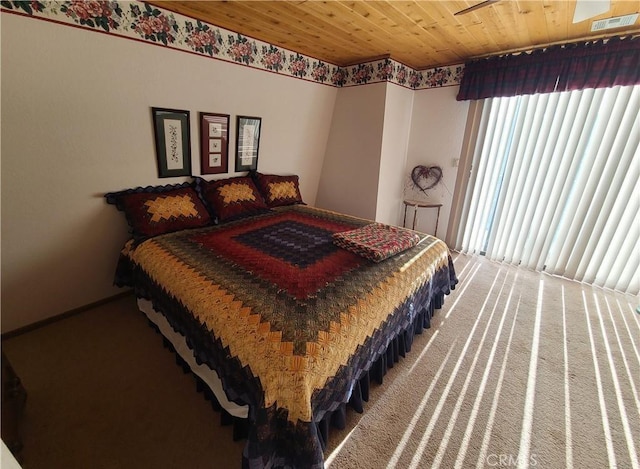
279	190
233	198
155	210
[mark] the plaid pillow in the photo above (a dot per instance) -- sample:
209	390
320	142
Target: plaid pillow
376	241
154	210
233	198
279	190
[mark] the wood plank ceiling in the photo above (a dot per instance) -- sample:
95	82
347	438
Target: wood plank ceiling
420	34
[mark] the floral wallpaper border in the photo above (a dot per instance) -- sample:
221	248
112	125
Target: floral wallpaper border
144	22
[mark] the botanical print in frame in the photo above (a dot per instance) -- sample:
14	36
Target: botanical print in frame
247	143
214	143
173	141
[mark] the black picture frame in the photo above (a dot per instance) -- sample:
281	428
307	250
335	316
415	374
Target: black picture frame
247	142
214	143
172	132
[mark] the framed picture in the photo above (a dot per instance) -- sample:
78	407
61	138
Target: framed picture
247	143
173	141
214	143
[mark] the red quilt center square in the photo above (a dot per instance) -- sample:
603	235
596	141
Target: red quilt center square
293	251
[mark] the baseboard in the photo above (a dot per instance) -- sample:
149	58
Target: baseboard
66	314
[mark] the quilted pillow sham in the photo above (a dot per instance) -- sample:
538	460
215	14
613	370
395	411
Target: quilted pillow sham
376	241
232	198
279	190
154	210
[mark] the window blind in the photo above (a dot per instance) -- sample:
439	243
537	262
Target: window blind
555	185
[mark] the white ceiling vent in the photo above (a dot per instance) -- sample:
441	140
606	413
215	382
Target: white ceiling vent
611	23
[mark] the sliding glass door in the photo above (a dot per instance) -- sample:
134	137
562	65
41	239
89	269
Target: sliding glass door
554	185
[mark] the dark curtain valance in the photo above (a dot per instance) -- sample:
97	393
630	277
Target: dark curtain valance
567	67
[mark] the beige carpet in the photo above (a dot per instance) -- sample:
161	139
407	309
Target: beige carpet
520	369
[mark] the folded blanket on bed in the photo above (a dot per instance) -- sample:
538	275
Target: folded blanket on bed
376	241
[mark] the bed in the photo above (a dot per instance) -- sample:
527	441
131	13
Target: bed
285	318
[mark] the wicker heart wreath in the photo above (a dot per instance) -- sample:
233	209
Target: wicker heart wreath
426	177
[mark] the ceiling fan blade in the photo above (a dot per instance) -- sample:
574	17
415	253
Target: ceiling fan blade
486	3
586	9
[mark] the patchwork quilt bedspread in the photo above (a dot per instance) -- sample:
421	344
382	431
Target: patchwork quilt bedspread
289	320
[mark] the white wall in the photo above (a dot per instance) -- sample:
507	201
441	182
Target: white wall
437	132
76	123
349	181
395	140
379	133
